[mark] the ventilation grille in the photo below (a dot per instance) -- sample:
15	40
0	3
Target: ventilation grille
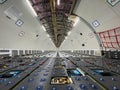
13	13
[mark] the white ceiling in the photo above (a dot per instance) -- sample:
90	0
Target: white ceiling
100	10
75	40
9	32
90	10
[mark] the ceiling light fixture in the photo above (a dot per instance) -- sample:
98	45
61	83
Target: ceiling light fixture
58	2
66	37
76	21
43	28
74	18
29	4
48	35
69	32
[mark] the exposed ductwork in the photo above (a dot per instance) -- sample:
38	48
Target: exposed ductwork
54	17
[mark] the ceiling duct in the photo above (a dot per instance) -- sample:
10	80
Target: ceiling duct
54	17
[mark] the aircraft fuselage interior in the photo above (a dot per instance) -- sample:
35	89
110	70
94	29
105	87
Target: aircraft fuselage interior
59	44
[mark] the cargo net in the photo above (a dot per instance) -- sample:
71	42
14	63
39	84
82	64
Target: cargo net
110	38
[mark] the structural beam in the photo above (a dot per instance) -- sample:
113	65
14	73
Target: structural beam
72	7
54	22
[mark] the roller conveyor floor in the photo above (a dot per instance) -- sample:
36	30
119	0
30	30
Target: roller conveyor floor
59	74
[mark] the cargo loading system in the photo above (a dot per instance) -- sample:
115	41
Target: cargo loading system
56	73
59	44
